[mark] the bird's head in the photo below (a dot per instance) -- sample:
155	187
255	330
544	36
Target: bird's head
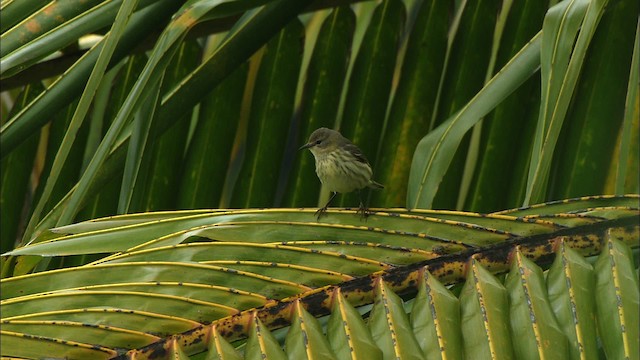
323	141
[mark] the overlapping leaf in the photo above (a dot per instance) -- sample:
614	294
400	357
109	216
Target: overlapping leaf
193	280
483	299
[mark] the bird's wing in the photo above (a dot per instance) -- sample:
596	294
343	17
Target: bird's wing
356	152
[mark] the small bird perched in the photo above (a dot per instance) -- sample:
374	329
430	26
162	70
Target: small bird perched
340	165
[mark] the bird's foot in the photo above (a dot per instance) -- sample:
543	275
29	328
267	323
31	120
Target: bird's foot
323	210
320	212
363	211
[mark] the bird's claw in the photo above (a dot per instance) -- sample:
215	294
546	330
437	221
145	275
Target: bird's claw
320	212
363	211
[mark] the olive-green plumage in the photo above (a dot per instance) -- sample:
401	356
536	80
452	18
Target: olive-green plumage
340	165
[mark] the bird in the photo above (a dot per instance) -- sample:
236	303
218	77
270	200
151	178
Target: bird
340	165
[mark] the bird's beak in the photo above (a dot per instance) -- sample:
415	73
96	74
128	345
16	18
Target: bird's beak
306	146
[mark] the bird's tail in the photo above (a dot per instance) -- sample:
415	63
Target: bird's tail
375	185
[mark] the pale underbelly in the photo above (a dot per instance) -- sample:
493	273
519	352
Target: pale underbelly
346	177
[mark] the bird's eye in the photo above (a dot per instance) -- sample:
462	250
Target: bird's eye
318	142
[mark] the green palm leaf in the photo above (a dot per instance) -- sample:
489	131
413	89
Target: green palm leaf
213	278
117	114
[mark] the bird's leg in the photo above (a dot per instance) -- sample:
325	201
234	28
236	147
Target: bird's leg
323	209
364	213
